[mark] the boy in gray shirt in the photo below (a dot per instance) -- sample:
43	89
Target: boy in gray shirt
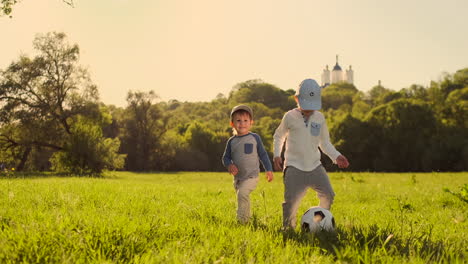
241	158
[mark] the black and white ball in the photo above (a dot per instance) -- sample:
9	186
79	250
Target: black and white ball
317	219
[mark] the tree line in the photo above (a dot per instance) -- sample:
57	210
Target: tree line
51	118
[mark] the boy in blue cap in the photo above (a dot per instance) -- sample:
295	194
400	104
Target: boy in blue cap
305	130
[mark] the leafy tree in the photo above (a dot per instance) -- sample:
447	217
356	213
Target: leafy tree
266	127
199	137
457	108
338	95
460	78
40	95
355	139
402	130
361	106
435	96
391	96
87	152
205	148
260	92
113	129
453	82
8	155
333	117
41	98
451	153
377	94
142	127
416	92
261	110
174	146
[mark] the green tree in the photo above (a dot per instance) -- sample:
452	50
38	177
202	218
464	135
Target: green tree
402	131
379	95
453	82
435	96
338	95
114	128
266	127
456	105
42	97
205	148
355	138
143	126
87	152
260	92
361	106
416	92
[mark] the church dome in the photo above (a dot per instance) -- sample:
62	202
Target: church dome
337	67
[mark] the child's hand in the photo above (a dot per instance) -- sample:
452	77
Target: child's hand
233	169
342	162
278	163
269	176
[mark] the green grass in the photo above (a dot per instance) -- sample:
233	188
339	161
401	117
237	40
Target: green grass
189	217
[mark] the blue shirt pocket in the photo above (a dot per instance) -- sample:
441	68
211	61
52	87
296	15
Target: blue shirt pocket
248	148
315	129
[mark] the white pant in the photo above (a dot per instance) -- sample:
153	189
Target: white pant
243	189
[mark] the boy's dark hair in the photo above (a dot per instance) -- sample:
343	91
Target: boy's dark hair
242	108
241	112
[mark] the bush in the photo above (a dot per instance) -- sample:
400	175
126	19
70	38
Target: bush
87	152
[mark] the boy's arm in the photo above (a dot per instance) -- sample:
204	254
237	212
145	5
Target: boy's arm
269	176
264	159
278	141
342	162
227	159
262	154
325	145
279	137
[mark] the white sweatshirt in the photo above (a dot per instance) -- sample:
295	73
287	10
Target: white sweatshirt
303	139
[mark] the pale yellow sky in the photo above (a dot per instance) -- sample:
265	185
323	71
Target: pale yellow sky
193	50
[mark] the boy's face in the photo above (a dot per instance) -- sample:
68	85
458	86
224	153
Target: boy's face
305	112
242	123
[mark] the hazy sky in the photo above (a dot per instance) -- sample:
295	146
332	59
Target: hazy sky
193	50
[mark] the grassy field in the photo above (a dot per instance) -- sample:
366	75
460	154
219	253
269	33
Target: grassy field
189	217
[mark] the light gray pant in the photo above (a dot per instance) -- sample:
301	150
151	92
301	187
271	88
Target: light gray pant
243	189
296	183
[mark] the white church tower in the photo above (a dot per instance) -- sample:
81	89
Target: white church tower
350	75
326	77
337	75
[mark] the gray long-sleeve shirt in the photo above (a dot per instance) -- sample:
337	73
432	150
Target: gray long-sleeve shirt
245	152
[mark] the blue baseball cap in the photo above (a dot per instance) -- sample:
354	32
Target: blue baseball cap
309	95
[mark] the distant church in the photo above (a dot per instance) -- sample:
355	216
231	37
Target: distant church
337	75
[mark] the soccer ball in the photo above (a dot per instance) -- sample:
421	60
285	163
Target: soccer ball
317	219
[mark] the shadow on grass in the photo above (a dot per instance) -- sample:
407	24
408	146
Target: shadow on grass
156	172
105	174
351	243
258	224
30	175
49	174
41	174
